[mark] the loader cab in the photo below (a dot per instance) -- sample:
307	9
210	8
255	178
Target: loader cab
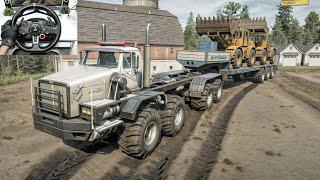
126	61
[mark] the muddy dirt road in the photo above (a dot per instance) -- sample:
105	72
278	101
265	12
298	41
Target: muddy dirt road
29	154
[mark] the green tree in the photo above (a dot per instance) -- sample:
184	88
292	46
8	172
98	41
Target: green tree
278	35
295	32
244	14
312	27
220	14
232	10
285	17
189	34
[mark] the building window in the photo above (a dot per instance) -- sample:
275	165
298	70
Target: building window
171	50
171	67
317	48
290	48
154	68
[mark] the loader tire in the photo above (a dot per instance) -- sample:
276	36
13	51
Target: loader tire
205	101
138	139
173	116
217	90
259	77
264	57
237	59
252	58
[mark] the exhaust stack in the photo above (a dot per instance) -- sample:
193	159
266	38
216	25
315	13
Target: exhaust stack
147	59
104	33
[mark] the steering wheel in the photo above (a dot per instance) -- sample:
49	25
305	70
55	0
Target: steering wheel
37	34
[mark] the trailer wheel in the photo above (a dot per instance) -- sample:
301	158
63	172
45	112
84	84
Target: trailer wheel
237	59
272	73
217	89
206	100
252	58
267	74
264	57
172	118
273	58
236	78
140	138
259	77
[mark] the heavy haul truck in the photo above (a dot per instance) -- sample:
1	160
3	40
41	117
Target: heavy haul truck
111	92
245	39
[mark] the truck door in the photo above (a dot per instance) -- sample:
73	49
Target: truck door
129	70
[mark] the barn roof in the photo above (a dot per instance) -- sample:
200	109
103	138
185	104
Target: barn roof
125	23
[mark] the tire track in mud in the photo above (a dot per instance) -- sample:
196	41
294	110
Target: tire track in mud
63	162
301	89
208	153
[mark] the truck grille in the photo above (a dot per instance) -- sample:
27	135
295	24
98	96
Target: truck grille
51	98
49	101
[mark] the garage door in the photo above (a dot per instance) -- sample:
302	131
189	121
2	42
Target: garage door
314	60
289	60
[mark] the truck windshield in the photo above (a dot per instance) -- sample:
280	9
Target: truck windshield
102	59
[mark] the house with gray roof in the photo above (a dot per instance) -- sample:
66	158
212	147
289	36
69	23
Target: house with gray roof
312	55
289	55
127	23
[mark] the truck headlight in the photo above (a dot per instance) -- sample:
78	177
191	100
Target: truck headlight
86	111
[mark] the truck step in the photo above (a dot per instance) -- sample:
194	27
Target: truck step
108	124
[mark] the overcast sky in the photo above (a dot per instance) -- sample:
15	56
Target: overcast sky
263	8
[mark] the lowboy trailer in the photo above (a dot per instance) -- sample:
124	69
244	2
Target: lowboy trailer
111	92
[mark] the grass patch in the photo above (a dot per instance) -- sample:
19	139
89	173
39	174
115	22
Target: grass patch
7	80
299	69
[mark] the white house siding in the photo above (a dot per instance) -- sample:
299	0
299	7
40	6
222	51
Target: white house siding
312	57
290	56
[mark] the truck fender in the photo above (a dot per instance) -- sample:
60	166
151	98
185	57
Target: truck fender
198	83
130	108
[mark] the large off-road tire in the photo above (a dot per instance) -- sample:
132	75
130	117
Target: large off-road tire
206	100
172	117
217	90
212	93
259	77
140	138
273	57
252	58
237	62
264	57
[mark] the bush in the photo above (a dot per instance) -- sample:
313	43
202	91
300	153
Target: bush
8	12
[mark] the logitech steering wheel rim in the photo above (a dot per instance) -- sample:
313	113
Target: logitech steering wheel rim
36	48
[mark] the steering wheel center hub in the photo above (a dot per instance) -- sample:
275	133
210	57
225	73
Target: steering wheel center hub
35	29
